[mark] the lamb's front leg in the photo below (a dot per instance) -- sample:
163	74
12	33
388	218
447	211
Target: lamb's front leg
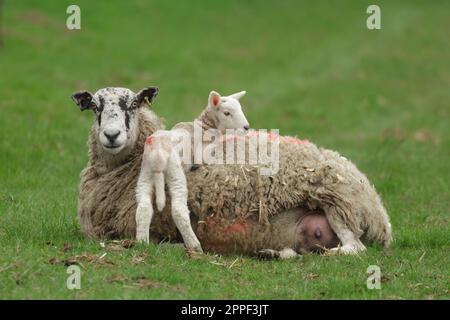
144	211
176	181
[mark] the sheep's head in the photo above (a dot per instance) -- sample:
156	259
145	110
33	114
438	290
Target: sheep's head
227	111
116	114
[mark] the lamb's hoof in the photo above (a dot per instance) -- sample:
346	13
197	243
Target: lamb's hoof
268	254
346	250
194	253
142	237
160	206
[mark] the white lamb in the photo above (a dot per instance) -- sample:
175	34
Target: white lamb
162	161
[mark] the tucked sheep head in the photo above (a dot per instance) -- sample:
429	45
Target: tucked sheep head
116	114
227	111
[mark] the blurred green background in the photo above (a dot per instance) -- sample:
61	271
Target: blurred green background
311	69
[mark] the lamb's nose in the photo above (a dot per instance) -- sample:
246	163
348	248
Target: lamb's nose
246	127
112	136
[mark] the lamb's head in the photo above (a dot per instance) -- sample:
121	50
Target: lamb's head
116	111
227	111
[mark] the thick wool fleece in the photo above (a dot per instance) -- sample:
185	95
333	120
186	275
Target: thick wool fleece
308	177
234	209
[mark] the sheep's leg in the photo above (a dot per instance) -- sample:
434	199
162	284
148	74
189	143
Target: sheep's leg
270	254
351	245
176	181
144	211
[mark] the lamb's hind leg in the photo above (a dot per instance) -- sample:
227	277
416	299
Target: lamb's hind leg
144	211
350	242
176	181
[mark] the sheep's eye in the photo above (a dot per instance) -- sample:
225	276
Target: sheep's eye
227	113
93	105
134	104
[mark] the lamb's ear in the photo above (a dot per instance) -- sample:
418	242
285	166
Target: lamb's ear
146	95
83	99
214	99
238	95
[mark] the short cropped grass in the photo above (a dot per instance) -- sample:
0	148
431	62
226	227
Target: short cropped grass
311	69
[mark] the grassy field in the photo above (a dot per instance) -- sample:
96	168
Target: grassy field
311	69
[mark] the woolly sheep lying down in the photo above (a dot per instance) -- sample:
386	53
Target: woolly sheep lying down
165	155
234	210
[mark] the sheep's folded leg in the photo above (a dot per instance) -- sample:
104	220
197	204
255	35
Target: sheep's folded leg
351	244
270	254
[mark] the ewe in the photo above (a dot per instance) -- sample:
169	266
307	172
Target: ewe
166	153
226	201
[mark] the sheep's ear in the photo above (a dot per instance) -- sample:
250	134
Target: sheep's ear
146	95
214	99
83	99
238	95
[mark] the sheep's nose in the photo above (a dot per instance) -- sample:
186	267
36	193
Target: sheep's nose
112	136
246	127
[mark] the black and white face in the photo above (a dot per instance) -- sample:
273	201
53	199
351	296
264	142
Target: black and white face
115	110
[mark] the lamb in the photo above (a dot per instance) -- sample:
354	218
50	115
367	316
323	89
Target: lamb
234	210
163	159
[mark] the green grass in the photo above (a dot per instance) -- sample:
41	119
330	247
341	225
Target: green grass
311	69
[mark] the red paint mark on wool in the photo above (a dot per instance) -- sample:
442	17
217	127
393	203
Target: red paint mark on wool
293	140
238	227
149	140
270	137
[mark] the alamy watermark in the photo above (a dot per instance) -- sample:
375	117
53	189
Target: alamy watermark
257	147
74	279
73	21
373	22
374	278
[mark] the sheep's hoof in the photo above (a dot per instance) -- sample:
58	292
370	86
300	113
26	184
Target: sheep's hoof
346	250
268	254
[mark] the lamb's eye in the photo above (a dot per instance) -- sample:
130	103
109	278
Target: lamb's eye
227	113
134	104
93	105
